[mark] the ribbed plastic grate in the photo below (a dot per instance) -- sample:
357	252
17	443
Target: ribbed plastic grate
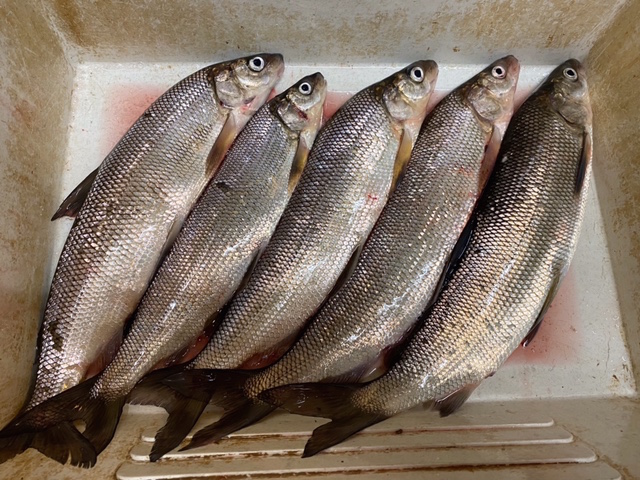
481	440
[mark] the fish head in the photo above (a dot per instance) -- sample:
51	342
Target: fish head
300	106
245	83
567	90
406	94
490	93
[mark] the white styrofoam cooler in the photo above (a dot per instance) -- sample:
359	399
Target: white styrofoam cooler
75	75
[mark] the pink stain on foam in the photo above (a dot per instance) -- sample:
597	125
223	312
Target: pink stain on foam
333	102
125	105
558	338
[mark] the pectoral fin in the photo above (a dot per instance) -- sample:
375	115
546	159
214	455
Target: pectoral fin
492	148
252	265
402	159
299	162
72	204
229	132
454	259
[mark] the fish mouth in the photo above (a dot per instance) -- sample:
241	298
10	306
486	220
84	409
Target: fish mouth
512	64
276	59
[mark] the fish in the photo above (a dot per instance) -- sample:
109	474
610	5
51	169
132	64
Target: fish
212	254
521	242
133	209
354	335
332	211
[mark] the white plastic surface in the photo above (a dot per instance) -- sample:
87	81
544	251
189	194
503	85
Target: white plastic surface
478	436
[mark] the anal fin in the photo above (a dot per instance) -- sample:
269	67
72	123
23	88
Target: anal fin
270	356
106	356
553	289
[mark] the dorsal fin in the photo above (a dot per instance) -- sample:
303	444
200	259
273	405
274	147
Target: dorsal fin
74	201
348	270
587	152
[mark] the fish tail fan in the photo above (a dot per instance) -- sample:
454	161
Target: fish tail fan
247	413
183	410
183	415
101	418
13	445
184	396
61	442
49	428
328	401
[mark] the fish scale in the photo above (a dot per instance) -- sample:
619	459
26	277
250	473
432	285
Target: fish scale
525	236
403	259
333	207
112	249
212	253
127	212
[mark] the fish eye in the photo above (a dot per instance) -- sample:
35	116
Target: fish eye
498	72
416	74
570	74
256	64
305	88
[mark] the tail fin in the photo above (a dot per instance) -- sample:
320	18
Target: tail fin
185	395
245	414
184	410
61	442
48	427
324	400
101	418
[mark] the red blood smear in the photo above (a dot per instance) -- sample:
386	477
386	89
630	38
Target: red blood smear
558	339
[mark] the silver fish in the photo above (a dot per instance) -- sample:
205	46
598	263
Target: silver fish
405	256
522	239
340	195
139	198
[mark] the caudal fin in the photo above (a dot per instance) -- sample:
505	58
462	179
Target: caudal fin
247	413
185	395
48	427
62	443
323	400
